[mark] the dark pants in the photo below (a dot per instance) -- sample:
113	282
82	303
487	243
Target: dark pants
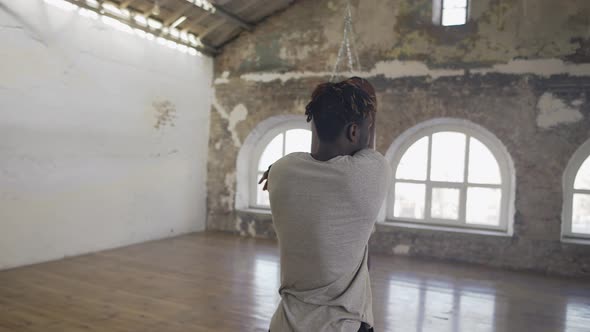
364	328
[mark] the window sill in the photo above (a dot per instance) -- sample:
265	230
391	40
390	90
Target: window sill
397	223
255	210
575	240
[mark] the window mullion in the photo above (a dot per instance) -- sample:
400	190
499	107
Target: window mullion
485	185
444	184
428	198
463	195
581	191
391	201
284	143
411	181
570	210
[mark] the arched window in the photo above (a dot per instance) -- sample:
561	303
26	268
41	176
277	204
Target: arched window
271	140
576	209
454	174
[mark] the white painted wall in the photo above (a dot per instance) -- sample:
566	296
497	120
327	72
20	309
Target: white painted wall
82	167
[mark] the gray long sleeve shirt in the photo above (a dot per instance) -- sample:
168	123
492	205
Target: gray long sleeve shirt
323	213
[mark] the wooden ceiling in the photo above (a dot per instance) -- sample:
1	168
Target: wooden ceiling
214	22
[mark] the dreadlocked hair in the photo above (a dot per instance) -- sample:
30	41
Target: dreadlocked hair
335	105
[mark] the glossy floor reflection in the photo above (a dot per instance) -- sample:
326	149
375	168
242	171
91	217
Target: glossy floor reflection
218	282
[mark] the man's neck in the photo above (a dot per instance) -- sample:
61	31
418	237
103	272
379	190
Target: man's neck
326	152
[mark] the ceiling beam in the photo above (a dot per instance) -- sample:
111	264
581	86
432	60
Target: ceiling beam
227	36
247	5
228	16
203	47
211	28
126	4
148	12
178	13
195	22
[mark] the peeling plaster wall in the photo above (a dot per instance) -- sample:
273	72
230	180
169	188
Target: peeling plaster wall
517	69
103	136
554	111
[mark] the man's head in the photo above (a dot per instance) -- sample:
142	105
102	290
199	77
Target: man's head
343	113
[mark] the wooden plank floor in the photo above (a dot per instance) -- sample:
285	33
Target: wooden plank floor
218	282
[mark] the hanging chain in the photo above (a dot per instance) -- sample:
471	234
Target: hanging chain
347	24
347	45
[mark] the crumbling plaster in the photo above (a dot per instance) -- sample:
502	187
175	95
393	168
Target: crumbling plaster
498	71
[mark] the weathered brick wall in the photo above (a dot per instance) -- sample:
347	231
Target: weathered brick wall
497	71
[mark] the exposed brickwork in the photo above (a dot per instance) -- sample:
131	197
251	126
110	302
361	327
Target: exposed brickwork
305	38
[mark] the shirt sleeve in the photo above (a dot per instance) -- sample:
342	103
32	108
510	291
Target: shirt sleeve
373	162
375	172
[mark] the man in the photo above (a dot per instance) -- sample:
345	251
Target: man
324	206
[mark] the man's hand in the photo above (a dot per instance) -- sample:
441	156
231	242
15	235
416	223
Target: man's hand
264	179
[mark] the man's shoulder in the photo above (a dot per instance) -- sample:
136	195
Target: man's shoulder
373	164
288	161
292	158
371	155
297	155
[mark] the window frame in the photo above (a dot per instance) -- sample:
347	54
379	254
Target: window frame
495	146
437	13
569	177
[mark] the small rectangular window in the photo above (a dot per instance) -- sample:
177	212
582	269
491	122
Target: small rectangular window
450	12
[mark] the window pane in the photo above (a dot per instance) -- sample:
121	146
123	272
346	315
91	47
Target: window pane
583	176
409	200
272	153
414	162
445	203
483	167
454	3
448	156
581	214
454	16
298	140
261	196
483	206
